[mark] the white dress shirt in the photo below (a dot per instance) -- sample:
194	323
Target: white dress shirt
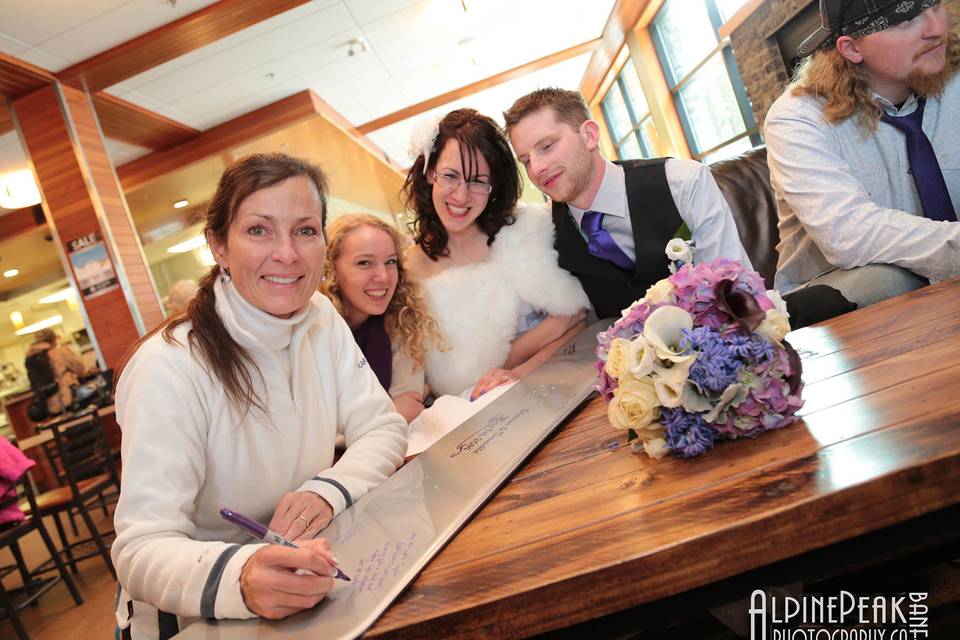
698	200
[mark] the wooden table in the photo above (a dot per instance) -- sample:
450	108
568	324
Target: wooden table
586	528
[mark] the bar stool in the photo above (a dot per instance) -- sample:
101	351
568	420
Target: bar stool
33	586
78	450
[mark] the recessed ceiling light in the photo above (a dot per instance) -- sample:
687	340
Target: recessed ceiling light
18	190
57	296
9	273
43	324
188	245
180	204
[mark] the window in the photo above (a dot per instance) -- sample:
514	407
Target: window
628	117
700	69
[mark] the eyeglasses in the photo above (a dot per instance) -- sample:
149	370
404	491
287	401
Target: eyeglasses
452	182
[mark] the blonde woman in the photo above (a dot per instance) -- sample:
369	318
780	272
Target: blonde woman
364	278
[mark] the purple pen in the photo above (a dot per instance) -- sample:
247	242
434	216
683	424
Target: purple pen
258	530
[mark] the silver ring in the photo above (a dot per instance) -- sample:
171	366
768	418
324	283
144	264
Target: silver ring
305	521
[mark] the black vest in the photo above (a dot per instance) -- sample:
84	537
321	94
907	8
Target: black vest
655	220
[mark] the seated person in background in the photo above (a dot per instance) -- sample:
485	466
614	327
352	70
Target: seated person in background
486	264
366	281
64	370
238	404
613	220
179	297
867	199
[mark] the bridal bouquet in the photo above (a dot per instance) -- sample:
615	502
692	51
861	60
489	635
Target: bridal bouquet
700	358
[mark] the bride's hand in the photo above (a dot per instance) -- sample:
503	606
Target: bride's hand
491	380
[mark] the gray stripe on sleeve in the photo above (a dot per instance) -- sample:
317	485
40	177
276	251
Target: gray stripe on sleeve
209	596
340	487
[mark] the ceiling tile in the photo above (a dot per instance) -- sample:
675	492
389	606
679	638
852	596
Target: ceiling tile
289	35
158	106
395	138
42	59
124	21
10	45
255	89
367	10
38	20
122	152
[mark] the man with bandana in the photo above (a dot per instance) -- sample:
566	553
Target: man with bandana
864	151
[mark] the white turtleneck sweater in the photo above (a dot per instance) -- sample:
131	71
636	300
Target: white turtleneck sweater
187	453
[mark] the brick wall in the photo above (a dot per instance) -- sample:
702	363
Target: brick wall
758	56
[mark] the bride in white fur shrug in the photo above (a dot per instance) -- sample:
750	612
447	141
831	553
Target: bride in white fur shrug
487	265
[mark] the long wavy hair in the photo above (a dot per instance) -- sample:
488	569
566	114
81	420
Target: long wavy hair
406	319
844	87
476	134
208	338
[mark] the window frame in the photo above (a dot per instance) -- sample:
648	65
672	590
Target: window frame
636	123
724	48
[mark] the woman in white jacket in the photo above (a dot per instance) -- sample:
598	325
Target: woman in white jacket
238	404
486	264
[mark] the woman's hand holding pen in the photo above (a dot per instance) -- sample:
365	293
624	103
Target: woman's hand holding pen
300	514
274	582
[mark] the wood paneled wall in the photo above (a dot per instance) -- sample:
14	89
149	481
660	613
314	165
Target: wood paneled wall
81	195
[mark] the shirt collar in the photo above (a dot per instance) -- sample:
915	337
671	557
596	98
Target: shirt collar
611	198
908	107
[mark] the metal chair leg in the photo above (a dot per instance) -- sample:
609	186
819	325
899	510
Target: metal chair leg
67	549
21	565
64	574
95	534
7	604
73	522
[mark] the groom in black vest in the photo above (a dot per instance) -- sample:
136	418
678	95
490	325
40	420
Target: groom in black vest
613	221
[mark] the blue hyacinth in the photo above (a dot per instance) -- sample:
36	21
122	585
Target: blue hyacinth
688	434
717	365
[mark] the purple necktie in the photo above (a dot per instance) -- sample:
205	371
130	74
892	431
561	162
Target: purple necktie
599	242
927	176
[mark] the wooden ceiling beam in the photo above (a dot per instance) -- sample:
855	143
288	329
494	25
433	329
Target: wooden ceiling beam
125	121
480	85
6	121
257	123
18	78
18	221
624	18
171	41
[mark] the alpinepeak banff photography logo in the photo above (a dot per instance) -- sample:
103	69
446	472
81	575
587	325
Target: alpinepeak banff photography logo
842	616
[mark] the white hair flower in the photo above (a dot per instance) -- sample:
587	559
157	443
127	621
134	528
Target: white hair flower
422	137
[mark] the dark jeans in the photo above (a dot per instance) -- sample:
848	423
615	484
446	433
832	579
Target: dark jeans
814	304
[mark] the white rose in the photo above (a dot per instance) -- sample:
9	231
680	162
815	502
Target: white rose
775	325
634	404
660	292
778	303
618	358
